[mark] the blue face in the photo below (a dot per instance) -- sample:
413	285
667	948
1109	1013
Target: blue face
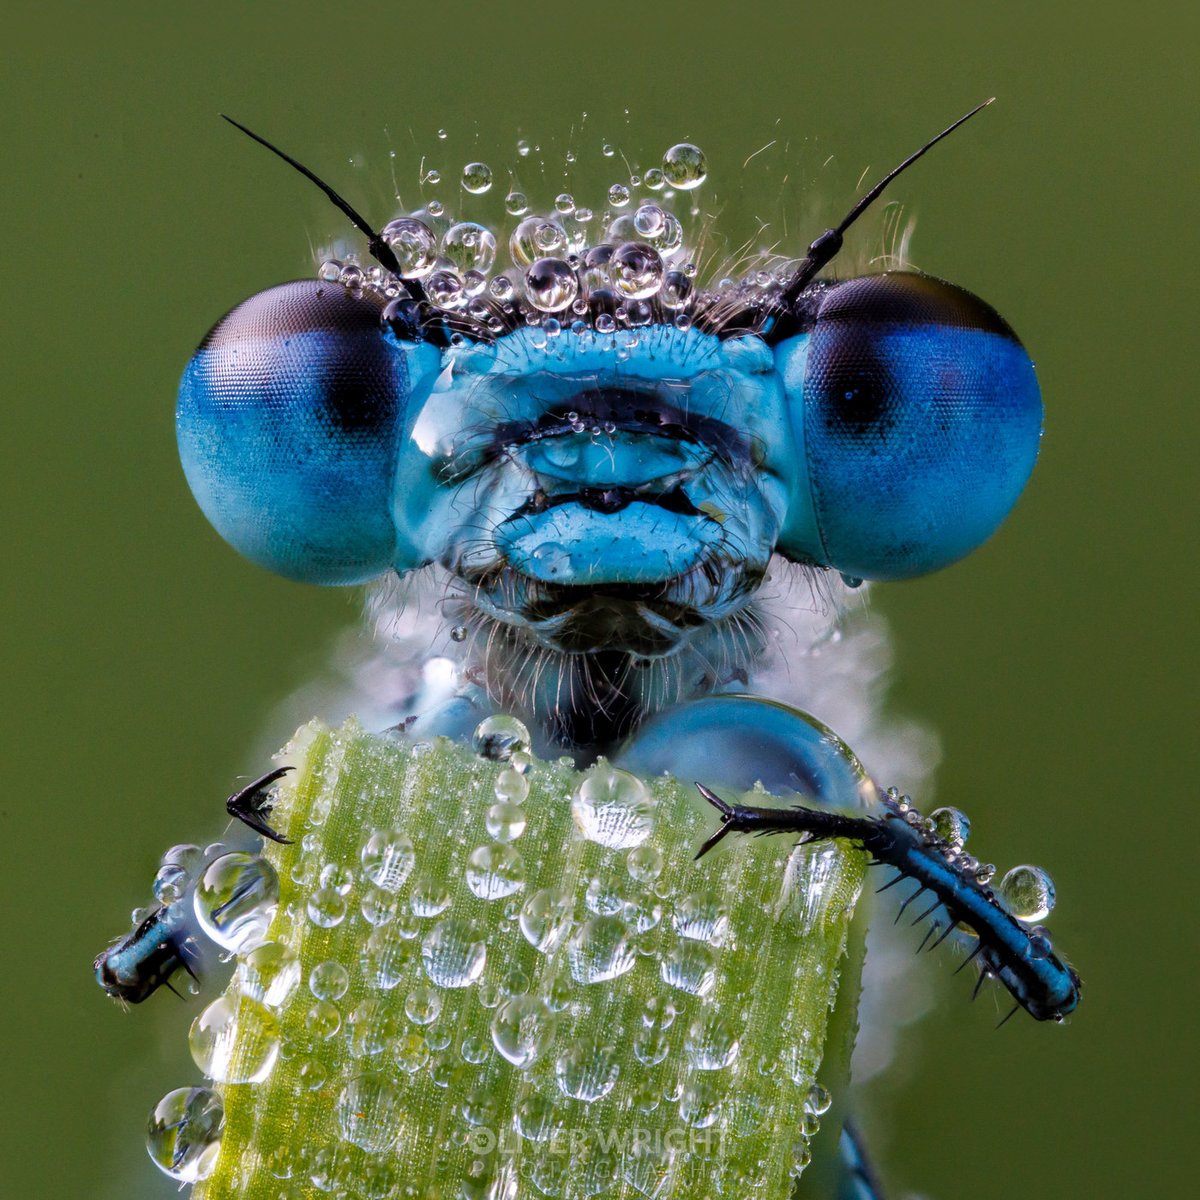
634	480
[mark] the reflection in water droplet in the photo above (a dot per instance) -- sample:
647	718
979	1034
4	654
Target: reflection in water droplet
545	920
414	245
550	284
268	974
328	980
235	900
423	1005
522	1030
388	858
505	821
951	825
702	918
495	871
685	166
476	178
452	954
430	897
689	967
183	1133
326	908
600	950
369	1112
235	1040
1027	892
636	269
536	1116
700	1104
587	1070
386	956
712	1042
499	738
613	807
323	1020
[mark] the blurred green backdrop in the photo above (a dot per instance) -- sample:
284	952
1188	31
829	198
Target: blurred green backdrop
143	658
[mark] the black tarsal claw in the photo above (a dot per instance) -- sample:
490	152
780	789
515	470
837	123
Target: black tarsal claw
728	819
252	807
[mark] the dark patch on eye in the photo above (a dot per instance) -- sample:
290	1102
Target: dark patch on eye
857	390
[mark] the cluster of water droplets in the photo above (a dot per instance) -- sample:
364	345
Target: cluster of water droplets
444	957
1026	892
573	267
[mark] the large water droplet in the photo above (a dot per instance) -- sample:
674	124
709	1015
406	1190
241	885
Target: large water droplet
546	919
235	1040
689	967
183	1133
269	974
369	1112
413	244
499	738
453	955
636	269
685	166
470	246
476	178
536	237
613	807
388	858
600	950
495	871
702	918
587	1070
550	284
522	1030
235	900
1027	892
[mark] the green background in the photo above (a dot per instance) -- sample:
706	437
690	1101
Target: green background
143	659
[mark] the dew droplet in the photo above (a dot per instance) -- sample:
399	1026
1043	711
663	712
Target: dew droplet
637	270
613	807
689	967
495	871
430	897
649	220
654	179
685	166
644	864
445	289
269	974
618	195
951	825
587	1070
326	908
388	858
235	1040
423	1005
183	1133
546	920
550	284
536	1116
413	244
323	1020
476	178
516	204
337	877
676	291
522	1030
328	980
512	786
702	918
470	246
170	883
453	955
369	1112
700	1104
387	956
505	821
712	1042
235	900
498	738
818	1101
378	907
536	237
1028	893
600	950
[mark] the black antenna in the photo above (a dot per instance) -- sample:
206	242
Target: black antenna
830	242
381	252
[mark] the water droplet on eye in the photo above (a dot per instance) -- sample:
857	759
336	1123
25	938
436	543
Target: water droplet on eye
600	950
269	974
689	967
430	897
499	738
1040	945
636	269
235	1040
586	1071
413	244
516	204
545	920
701	918
494	872
183	1133
1027	892
685	166
423	1005
550	285
326	908
452	954
369	1112
522	1030
330	271
505	821
235	900
445	289
613	807
676	290
388	858
712	1042
476	178
951	825
618	195
469	246
328	980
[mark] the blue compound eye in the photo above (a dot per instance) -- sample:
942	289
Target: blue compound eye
288	418
920	416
